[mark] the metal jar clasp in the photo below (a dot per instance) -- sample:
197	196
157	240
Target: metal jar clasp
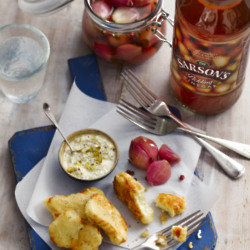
159	19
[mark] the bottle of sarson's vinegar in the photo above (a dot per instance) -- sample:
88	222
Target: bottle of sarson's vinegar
210	51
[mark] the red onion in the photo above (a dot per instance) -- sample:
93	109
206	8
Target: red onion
102	9
168	154
142	152
125	15
103	50
128	51
158	172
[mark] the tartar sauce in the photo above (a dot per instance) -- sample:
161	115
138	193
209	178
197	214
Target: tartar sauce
95	159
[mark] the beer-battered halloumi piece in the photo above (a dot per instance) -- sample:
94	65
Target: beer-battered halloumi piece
131	192
65	228
172	204
179	233
60	203
103	214
68	230
89	238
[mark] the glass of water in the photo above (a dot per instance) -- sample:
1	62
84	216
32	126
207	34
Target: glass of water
24	53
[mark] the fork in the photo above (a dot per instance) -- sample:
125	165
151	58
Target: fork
159	125
152	103
192	222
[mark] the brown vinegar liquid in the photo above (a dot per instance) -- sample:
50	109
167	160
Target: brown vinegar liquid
210	51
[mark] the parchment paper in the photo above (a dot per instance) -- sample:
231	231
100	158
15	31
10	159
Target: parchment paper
82	111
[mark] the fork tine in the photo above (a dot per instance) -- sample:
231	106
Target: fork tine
134	119
180	222
145	114
192	225
139	124
193	222
134	116
140	85
137	86
190	221
174	242
195	226
139	82
134	92
138	115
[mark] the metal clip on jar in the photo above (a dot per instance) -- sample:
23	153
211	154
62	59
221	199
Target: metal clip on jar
125	43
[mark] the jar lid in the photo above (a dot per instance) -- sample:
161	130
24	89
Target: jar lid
42	7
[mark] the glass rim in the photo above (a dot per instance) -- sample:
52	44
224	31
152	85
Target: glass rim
126	27
44	40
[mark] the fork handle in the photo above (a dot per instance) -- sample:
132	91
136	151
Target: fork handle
240	148
229	165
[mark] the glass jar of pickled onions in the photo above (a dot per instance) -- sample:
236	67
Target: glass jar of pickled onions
121	31
210	53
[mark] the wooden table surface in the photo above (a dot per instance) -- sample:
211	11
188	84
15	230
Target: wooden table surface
232	211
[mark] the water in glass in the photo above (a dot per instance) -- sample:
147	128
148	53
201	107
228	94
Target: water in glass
20	58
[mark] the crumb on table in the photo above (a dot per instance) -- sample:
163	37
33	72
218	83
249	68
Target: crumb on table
199	234
190	245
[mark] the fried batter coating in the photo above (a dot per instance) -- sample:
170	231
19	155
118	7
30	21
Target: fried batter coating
65	228
102	213
60	203
172	204
131	192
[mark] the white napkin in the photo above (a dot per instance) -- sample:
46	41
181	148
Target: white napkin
52	179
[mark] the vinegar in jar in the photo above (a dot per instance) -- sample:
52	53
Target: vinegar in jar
210	51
